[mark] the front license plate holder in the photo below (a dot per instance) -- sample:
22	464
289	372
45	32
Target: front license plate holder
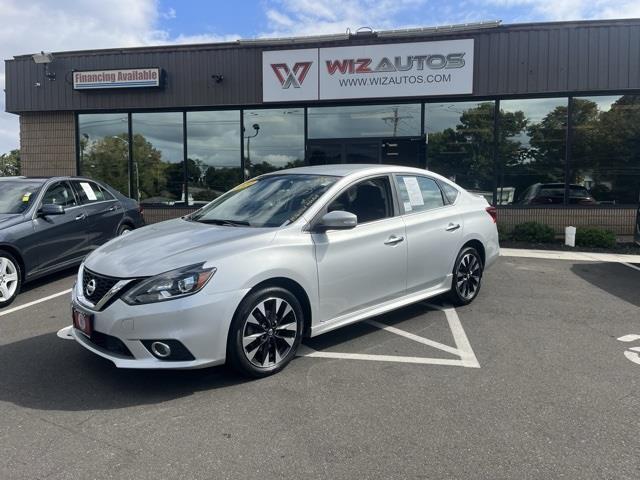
82	321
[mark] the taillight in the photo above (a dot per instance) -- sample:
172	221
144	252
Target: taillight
141	209
493	211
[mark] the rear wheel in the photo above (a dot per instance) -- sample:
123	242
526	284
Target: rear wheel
467	277
10	278
124	229
265	332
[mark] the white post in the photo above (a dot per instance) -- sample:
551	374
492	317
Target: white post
570	236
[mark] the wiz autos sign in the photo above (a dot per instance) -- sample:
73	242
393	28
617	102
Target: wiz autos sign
371	71
129	78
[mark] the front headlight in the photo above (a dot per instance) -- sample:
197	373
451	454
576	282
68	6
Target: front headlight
170	285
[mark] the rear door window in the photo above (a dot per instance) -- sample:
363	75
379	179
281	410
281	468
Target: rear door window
88	192
418	194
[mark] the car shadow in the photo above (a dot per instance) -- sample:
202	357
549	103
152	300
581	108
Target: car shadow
614	278
47	373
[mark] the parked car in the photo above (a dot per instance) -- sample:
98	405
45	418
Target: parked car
49	224
553	194
287	255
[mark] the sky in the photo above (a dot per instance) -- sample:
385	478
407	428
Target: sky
29	27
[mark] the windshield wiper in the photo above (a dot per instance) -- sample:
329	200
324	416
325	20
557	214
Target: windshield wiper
229	223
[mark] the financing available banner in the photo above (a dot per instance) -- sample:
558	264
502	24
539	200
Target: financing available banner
369	71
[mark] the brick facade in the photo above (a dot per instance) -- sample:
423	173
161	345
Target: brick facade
47	143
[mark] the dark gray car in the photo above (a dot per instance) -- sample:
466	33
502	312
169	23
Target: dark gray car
49	224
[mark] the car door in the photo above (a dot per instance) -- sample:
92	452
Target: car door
104	212
433	228
366	265
58	239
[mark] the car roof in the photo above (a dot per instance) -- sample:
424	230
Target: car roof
43	179
347	169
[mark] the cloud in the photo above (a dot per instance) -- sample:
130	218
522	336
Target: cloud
316	17
36	25
554	10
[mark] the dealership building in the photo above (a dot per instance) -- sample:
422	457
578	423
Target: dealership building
542	119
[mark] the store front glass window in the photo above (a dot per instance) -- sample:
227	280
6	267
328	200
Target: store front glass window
460	143
104	148
213	154
273	139
158	171
605	153
532	148
386	121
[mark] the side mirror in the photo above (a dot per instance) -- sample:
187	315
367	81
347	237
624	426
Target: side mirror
51	209
337	220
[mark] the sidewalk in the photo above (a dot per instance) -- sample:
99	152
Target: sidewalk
628	260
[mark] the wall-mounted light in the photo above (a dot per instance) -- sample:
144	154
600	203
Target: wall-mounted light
45	59
217	77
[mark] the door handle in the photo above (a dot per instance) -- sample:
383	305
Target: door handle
112	208
82	216
452	227
393	240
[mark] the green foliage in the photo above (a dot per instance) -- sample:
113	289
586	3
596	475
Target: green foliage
10	164
595	237
533	232
503	233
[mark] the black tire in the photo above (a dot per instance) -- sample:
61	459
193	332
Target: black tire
14	267
124	229
467	277
275	343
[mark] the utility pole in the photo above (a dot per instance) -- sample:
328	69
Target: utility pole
395	120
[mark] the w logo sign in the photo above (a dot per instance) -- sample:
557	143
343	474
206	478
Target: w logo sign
291	77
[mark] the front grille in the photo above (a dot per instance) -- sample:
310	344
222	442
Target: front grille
102	285
110	344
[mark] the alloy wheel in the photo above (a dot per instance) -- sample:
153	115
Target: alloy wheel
269	332
8	279
468	276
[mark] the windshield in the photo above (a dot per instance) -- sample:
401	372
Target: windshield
17	196
271	201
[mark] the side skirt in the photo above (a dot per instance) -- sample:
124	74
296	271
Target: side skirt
385	307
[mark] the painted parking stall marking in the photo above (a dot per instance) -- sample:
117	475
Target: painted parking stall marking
462	349
633	353
35	302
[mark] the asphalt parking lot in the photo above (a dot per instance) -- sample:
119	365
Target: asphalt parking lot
528	382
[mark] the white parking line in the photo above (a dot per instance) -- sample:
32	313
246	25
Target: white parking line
564	255
462	349
35	302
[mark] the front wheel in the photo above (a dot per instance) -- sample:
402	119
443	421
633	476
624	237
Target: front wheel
467	277
265	332
10	279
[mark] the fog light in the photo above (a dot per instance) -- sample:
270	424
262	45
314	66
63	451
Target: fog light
160	350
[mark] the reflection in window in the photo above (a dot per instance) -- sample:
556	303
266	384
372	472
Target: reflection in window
213	154
460	143
605	153
273	139
532	146
158	170
104	148
364	121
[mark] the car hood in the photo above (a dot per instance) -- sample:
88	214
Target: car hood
9	219
173	244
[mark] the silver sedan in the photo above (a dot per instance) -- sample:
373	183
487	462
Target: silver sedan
288	255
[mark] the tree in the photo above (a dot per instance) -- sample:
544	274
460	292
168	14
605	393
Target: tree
10	163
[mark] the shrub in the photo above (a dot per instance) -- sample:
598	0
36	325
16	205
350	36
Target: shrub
595	237
503	232
533	232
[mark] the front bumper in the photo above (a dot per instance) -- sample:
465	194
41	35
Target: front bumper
200	322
